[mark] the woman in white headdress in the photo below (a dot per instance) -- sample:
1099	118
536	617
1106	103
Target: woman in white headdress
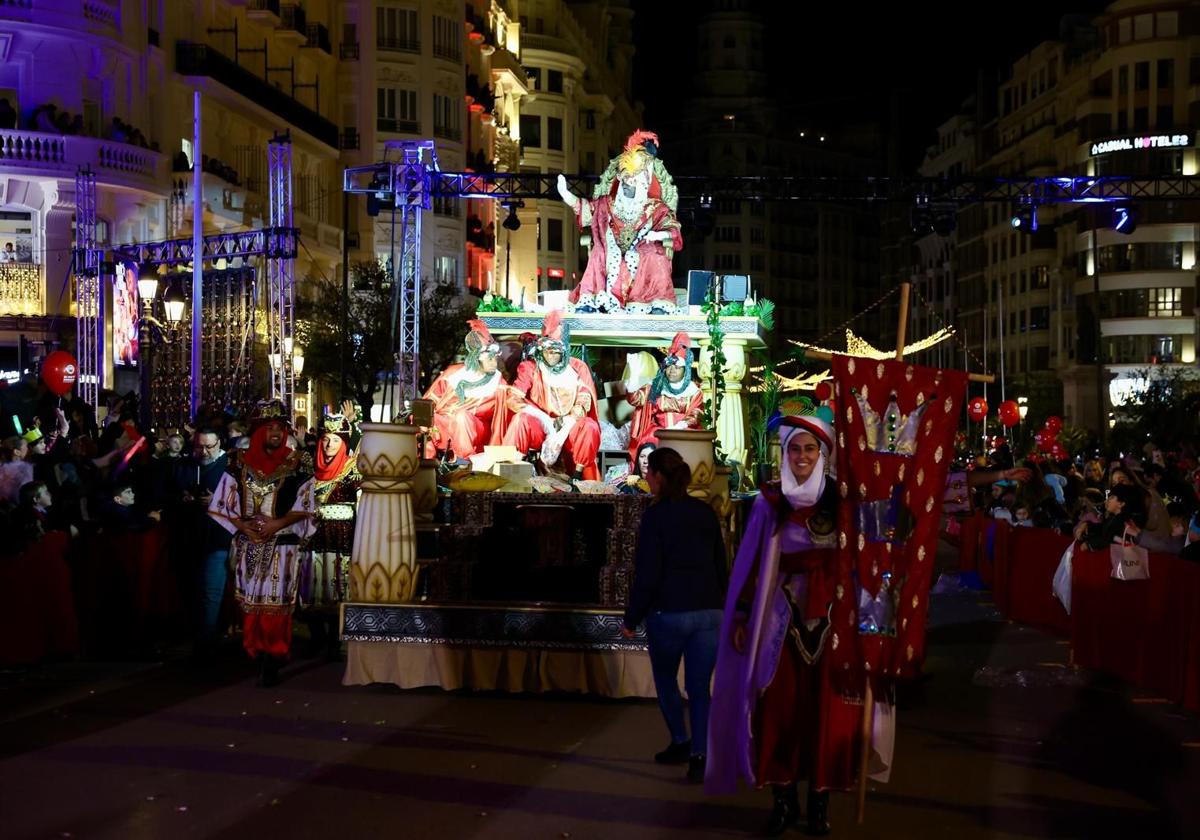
775	718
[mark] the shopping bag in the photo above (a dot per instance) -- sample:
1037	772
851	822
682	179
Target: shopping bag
1129	561
1062	578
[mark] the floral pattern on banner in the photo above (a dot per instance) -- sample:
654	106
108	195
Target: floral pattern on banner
895	423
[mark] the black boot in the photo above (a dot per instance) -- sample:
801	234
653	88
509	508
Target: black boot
268	671
817	824
785	810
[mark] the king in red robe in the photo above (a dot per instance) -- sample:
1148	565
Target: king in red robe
635	234
554	403
671	401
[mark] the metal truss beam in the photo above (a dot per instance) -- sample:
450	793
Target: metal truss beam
409	181
379	178
269	242
281	274
89	291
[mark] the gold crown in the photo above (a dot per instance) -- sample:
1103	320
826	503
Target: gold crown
265	410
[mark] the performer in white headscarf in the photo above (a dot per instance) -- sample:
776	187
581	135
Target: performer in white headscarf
775	718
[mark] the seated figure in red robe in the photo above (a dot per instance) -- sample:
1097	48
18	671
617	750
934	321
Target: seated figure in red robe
671	401
635	234
466	398
553	400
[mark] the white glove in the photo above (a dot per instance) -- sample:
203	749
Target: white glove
658	236
569	197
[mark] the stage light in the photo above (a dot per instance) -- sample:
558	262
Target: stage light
512	221
1125	219
1025	218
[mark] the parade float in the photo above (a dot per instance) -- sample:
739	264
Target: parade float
521	581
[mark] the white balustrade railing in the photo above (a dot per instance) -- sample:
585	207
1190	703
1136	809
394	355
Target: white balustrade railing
63	154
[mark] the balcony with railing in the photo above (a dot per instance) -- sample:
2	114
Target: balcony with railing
263	11
411	45
398	126
350	139
318	38
59	155
293	23
201	60
348	51
20	287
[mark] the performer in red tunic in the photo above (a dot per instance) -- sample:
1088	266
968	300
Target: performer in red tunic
267	504
634	234
466	398
554	402
775	717
671	401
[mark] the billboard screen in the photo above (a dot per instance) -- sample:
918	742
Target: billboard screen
125	315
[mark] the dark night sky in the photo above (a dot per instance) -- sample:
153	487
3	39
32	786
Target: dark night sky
843	62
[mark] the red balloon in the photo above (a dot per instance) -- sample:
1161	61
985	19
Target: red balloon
822	392
999	441
977	409
59	372
1045	441
1054	424
1010	413
1059	452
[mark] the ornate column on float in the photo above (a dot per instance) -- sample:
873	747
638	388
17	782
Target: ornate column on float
384	565
695	446
731	421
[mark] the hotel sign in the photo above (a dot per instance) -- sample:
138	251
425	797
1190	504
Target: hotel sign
1151	141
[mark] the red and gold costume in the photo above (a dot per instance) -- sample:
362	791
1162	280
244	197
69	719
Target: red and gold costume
265	485
635	234
325	562
663	405
555	407
466	399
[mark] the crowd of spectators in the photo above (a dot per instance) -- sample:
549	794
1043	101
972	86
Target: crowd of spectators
50	119
1150	497
118	506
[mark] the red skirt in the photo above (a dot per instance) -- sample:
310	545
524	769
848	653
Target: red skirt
803	729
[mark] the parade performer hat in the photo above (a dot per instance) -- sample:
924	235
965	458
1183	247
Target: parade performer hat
679	354
819	424
266	411
338	424
479	341
555	334
640	151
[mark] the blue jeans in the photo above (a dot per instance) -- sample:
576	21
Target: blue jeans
691	636
213	574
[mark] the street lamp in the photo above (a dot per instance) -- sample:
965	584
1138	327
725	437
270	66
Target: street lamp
147	286
1023	407
174	303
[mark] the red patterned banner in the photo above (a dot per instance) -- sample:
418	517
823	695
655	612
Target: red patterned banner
895	424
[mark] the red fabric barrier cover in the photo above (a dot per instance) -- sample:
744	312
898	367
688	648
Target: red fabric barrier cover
39	619
1138	630
968	549
1025	575
125	586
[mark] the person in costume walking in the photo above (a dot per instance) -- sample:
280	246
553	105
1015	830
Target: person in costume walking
775	717
325	561
268	505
